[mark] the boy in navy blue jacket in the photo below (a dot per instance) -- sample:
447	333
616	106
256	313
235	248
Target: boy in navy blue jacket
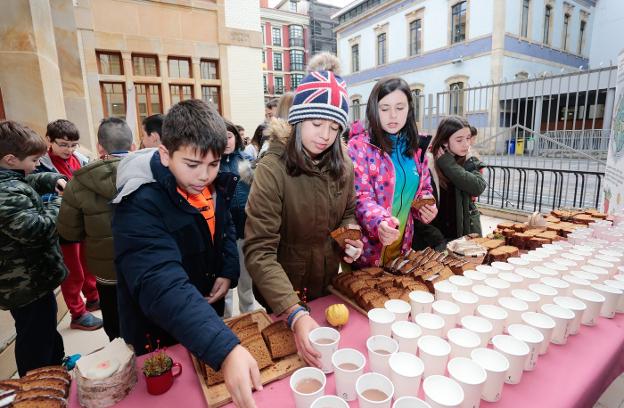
175	247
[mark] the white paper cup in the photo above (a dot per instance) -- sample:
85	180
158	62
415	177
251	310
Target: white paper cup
324	334
487	295
475	276
434	352
462	282
568	263
559	284
595	268
594	301
443	392
502	267
532	337
496	315
487	270
532	299
563	319
380	321
611	252
345	377
516	352
406	334
613	260
400	308
545	292
467	302
529	276
462	342
590	277
503	287
515	280
410	402
612	297
471	377
558	266
619	277
305	399
618	285
480	326
495	365
374	381
544	323
575	305
380	348
544	271
431	324
420	301
443	290
574	257
575	283
406	371
533	258
608	266
449	311
329	401
518	262
514	308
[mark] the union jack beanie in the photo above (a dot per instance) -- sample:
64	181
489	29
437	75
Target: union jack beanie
320	95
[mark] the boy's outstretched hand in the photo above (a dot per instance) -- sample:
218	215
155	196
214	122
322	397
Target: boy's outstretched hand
240	371
219	289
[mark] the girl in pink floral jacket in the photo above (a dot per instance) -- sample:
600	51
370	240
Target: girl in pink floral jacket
389	174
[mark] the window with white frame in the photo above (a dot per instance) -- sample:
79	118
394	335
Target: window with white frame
355	57
547	23
566	26
458	22
381	49
277	36
415	28
279	85
456	98
277	61
524	28
581	42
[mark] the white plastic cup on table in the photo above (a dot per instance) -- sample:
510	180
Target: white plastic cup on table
529	276
488	270
325	340
481	326
434	352
518	262
584	254
546	253
516	352
563	319
443	392
406	372
471	377
575	257
410	402
532	338
380	348
614	260
495	365
514	308
612	297
307	384
619	277
329	401
516	281
374	390
462	282
496	315
467	302
503	287
598	270
447	310
475	276
590	277
545	271
502	267
443	290
532	299
594	301
575	283
420	301
618	285
576	306
462	342
348	366
487	295
559	268
611	268
545	292
544	323
406	335
533	258
380	321
611	252
400	308
559	284
431	324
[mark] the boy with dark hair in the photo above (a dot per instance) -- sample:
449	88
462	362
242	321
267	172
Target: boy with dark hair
175	244
86	213
270	109
32	265
151	131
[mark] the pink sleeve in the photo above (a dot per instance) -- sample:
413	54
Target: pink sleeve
425	188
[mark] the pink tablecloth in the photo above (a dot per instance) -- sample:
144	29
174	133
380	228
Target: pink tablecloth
570	376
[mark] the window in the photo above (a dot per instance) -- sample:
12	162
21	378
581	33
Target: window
581	43
179	68
416	100
317	28
277	36
211	95
145	65
266	85
355	58
293	6
209	69
180	93
415	37
524	29
547	15
295	80
296	60
147	100
566	24
458	22
277	61
263	57
114	99
109	63
279	85
456	99
263	34
296	36
355	108
381	49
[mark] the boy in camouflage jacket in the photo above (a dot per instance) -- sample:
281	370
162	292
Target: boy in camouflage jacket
31	264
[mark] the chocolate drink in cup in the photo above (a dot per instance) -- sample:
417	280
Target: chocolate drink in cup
308	386
324	341
373	394
348	366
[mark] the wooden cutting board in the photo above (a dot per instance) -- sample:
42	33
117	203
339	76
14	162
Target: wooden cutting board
347	300
217	395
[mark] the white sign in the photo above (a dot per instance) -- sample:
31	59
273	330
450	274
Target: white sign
614	173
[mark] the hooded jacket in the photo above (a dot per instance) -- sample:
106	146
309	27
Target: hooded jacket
235	177
31	264
289	219
46	165
167	262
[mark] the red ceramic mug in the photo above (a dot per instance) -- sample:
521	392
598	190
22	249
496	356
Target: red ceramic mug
161	383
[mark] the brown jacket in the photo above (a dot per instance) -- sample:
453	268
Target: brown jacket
287	244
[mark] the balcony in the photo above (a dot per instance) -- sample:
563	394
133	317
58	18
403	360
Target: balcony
296	42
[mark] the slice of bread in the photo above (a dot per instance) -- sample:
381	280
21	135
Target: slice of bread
55	383
40	402
258	349
280	340
418	203
39	392
352	232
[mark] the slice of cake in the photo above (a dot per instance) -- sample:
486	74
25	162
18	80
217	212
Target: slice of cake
419	203
280	340
352	232
258	349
